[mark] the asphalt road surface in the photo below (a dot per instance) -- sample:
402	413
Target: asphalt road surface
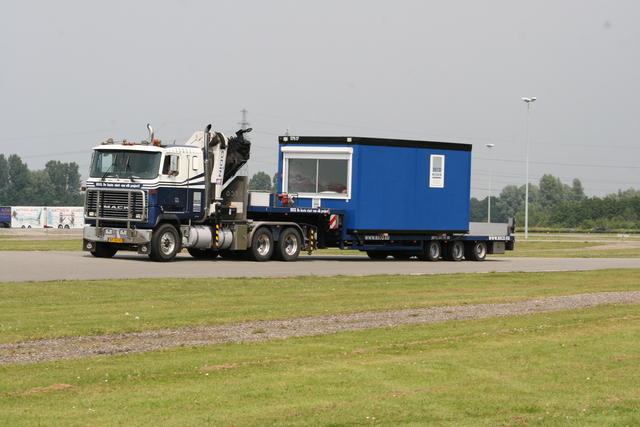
20	266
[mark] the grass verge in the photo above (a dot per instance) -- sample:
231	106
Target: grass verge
49	244
33	310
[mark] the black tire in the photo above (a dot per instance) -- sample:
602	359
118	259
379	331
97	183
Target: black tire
289	245
454	251
203	253
377	255
104	250
402	256
475	251
432	251
165	243
262	245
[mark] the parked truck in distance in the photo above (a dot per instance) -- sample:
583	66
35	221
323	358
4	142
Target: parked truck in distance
27	217
384	197
5	216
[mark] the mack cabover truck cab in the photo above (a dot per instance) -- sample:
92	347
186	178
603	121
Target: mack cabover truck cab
384	197
158	199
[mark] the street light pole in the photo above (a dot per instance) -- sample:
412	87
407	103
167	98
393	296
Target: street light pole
489	199
526	191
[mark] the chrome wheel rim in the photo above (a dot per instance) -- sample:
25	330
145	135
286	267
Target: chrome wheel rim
167	243
434	250
264	244
291	245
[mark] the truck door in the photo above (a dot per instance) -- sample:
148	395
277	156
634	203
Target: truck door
172	194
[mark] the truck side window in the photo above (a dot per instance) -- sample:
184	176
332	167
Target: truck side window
170	165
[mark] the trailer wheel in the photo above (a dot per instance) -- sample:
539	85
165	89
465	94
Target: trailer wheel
104	250
377	255
476	251
203	253
165	243
261	245
454	251
289	244
432	251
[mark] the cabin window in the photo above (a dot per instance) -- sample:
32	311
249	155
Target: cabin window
171	165
323	172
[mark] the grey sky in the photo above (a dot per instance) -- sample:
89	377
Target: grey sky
75	73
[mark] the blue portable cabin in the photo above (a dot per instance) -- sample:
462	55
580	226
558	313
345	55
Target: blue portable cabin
384	185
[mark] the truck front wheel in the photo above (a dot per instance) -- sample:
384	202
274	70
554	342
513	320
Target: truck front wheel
261	245
165	243
104	250
289	244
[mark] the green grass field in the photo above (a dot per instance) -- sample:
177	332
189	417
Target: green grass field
571	368
549	369
576	367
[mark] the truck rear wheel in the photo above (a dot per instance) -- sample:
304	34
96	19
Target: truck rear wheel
261	245
432	251
454	251
476	251
165	243
289	245
104	250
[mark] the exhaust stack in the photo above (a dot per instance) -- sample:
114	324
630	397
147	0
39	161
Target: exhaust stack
150	133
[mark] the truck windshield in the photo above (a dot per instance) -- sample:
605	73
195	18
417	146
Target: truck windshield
125	164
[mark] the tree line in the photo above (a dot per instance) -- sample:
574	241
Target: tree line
554	205
58	184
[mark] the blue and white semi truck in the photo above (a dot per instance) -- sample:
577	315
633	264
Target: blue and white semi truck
385	197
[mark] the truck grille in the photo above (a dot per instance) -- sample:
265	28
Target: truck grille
116	205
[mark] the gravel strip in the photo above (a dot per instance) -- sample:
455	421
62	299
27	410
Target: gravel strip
78	347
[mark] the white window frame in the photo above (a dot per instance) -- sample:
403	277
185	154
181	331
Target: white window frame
318	153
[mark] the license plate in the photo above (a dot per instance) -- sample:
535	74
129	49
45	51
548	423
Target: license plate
113	240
